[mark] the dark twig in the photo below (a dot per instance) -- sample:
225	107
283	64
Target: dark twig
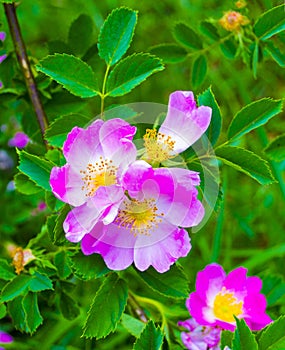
137	309
22	57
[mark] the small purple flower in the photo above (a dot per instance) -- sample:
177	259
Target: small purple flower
183	126
2	58
220	297
6	162
20	140
200	337
5	338
146	223
2	36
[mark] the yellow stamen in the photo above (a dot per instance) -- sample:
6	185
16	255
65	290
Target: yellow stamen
233	20
102	173
140	217
226	306
158	146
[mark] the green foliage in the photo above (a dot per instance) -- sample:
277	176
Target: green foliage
62	262
270	23
24	185
208	29
275	53
199	71
172	283
207	98
169	53
276	149
116	34
131	72
33	317
247	162
89	267
226	339
71	72
57	131
150	338
55	226
243	338
80	34
132	325
252	116
36	168
68	306
6	271
186	36
110	299
273	337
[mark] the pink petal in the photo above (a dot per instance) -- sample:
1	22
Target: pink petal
184	122
67	185
197	308
236	279
162	254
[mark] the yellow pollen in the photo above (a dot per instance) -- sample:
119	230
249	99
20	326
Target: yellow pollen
140	217
158	146
102	173
226	306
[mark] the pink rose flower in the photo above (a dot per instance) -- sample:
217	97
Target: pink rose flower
220	297
183	126
200	337
146	228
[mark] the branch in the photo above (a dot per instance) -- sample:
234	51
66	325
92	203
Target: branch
24	63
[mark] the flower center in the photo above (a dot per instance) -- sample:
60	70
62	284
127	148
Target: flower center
139	217
102	173
158	146
226	306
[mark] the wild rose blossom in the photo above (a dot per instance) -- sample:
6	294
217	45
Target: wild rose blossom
184	124
147	228
200	337
218	297
20	140
5	338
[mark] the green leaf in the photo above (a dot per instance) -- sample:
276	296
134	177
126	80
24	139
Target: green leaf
18	286
71	72
80	34
36	168
116	34
186	36
3	311
58	237
252	116
169	53
207	98
276	149
103	316
270	23
131	72
255	59
229	48
88	267
17	312
7	272
68	306
275	53
226	339
132	325
33	317
151	338
243	338
57	132
246	162
273	286
52	202
39	282
62	262
24	185
199	71
273	337
172	283
208	29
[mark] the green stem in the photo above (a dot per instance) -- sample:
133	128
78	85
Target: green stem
103	96
24	63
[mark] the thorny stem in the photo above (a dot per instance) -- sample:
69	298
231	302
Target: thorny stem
10	11
137	309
